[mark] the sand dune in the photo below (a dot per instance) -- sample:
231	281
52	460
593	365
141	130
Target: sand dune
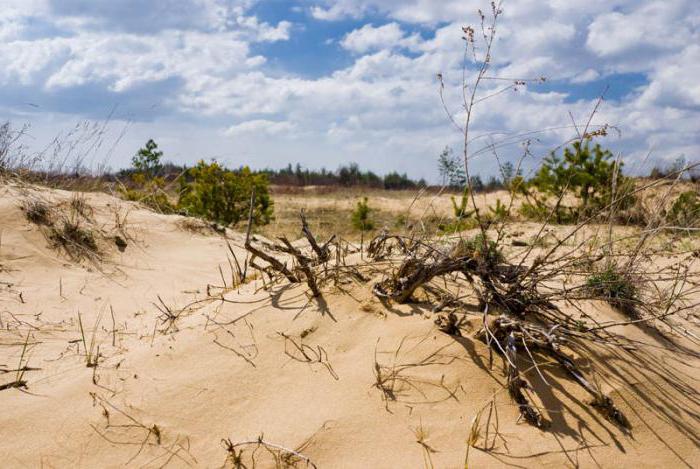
166	393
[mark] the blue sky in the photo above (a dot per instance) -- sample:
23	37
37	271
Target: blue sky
323	83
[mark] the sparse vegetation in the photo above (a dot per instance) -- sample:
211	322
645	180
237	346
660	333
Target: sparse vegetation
36	211
75	239
361	219
215	193
147	161
685	211
147	185
345	176
589	174
615	287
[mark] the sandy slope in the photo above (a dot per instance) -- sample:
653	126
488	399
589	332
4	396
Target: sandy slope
184	390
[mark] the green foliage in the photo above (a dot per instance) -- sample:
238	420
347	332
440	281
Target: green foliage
460	210
499	212
215	193
614	287
462	217
361	216
147	160
147	166
457	225
451	169
396	181
353	176
482	249
585	172
151	196
685	211
508	172
540	211
349	176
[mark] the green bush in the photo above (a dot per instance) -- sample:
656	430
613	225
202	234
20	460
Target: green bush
152	196
616	288
215	193
147	160
685	211
149	187
585	172
499	212
480	248
460	210
457	225
360	216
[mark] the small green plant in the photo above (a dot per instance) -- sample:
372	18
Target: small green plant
150	187
401	221
457	225
218	194
147	161
361	216
480	248
460	210
499	212
462	216
589	174
685	211
91	357
616	288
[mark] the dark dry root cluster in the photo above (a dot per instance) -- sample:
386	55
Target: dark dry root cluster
309	265
68	231
529	322
510	337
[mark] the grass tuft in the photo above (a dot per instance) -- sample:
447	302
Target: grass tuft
616	288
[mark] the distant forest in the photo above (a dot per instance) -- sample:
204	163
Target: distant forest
345	176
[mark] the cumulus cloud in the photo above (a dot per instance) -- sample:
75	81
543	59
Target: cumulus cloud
369	38
259	127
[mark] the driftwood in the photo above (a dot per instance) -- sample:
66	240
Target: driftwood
423	262
323	253
303	270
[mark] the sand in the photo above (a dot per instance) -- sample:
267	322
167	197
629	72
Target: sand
165	396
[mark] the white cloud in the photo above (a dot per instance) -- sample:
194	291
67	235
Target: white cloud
586	76
122	61
675	81
259	127
369	38
651	28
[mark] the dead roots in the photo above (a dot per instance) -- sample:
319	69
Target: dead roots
529	322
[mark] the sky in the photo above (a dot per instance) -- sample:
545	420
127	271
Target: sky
322	83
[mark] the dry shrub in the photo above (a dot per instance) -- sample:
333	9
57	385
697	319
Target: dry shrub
80	206
37	211
196	225
78	241
685	211
70	230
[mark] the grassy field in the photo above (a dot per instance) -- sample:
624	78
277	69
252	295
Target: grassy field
329	210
